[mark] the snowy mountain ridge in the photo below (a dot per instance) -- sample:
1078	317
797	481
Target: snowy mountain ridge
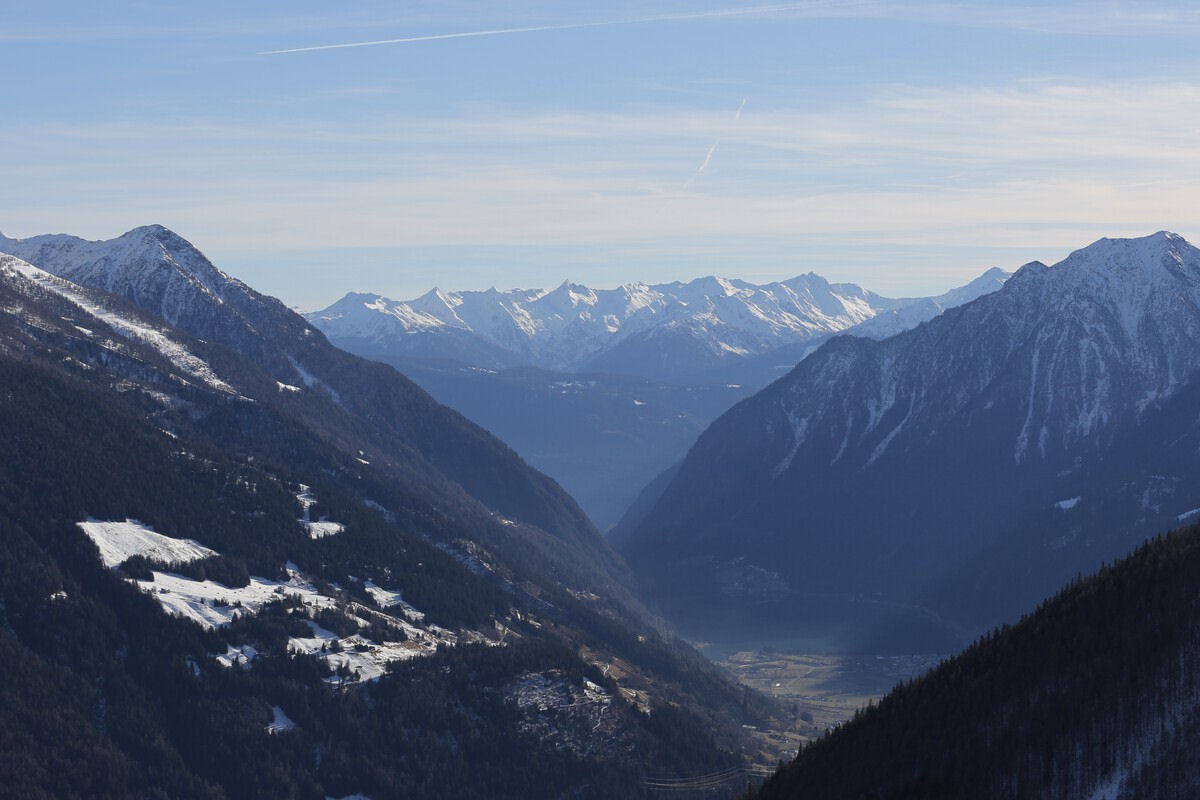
639	329
148	259
561	328
133	331
167	277
1109	329
574	327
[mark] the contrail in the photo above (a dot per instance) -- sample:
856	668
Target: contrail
717	12
708	157
465	35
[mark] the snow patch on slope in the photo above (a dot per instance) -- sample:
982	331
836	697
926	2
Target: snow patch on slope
119	541
212	605
320	528
280	722
355	657
390	600
174	352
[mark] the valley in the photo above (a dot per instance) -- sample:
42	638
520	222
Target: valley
315	532
604	389
823	690
694	399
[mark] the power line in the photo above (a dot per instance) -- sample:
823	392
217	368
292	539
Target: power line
710	780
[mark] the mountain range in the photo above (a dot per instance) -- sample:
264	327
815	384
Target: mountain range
604	389
911	492
673	332
239	562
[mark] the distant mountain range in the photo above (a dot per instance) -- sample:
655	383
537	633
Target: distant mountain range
236	561
675	332
910	492
604	389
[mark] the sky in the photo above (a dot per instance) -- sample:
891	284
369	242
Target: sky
903	146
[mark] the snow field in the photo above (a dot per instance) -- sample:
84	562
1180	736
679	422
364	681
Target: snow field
212	605
119	541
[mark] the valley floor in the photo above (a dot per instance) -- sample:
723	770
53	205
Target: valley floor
827	688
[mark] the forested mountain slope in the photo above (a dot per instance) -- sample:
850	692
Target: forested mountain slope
215	582
350	400
1094	695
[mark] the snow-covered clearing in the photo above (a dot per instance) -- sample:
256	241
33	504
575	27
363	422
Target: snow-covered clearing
1068	504
1189	514
392	601
320	528
323	527
119	541
211	604
280	722
365	659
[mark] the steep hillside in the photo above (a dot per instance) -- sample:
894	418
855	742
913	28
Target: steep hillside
356	404
908	492
213	585
1092	696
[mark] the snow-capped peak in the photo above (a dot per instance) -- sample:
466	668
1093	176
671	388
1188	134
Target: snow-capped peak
1076	347
566	327
153	266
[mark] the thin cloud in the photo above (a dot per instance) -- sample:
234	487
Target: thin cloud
813	5
1080	18
965	166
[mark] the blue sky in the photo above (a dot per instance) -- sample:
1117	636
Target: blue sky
903	146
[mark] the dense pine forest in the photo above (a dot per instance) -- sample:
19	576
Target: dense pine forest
1096	694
